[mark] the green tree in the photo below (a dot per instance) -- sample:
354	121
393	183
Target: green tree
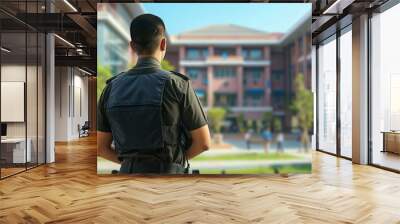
216	116
277	124
241	123
103	74
166	65
302	107
249	124
267	119
259	126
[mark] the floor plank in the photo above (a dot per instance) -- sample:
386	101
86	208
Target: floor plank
69	191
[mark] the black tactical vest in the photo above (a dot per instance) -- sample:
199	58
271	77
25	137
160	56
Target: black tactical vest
133	109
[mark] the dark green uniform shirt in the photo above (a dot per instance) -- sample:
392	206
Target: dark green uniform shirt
180	103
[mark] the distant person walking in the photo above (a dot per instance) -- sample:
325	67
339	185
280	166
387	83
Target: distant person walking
279	140
267	137
247	138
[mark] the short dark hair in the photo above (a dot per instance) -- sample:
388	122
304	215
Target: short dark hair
146	33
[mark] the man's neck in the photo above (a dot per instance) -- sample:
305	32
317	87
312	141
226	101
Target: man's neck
142	57
147	61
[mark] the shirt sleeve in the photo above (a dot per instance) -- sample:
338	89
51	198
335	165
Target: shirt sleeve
102	121
193	115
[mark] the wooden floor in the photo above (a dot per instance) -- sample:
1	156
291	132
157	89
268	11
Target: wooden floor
387	159
10	171
69	191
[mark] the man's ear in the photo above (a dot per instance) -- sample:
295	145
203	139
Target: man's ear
163	44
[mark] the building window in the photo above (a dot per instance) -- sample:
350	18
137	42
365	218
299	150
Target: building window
252	53
256	77
277	76
253	75
256	99
301	46
122	12
225	72
196	53
225	52
225	99
253	99
205	79
279	102
202	95
194	73
309	67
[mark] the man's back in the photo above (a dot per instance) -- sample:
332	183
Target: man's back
147	109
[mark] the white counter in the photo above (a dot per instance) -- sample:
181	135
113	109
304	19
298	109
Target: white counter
18	145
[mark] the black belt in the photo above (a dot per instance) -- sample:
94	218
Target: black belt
130	165
148	163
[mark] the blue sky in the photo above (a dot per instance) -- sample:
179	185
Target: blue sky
270	17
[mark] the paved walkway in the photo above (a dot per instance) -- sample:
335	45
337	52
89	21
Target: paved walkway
288	145
242	164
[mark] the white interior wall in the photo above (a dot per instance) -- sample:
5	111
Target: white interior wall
80	93
61	103
33	126
14	73
70	83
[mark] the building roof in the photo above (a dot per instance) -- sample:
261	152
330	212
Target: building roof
224	30
231	34
304	24
226	34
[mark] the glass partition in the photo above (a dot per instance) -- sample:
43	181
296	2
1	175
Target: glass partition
327	95
346	93
385	89
15	150
22	89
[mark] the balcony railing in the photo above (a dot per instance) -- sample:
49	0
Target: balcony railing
225	57
253	103
254	84
199	58
252	58
223	60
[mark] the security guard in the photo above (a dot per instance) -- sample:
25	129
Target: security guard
148	112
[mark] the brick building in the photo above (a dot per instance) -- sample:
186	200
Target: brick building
247	70
229	66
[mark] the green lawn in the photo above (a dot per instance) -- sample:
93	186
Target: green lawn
285	169
106	166
247	156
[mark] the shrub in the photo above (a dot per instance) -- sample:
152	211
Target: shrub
216	116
